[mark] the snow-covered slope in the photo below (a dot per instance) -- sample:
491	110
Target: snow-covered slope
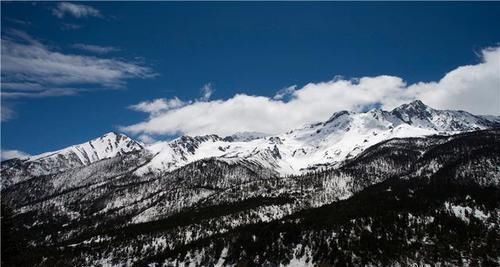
107	146
325	144
102	214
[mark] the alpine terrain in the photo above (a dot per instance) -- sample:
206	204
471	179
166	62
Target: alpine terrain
406	187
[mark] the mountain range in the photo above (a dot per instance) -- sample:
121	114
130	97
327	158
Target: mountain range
414	185
316	146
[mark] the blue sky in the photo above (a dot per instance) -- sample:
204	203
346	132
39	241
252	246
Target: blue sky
169	52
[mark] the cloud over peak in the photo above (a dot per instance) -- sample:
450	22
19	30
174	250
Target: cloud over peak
475	88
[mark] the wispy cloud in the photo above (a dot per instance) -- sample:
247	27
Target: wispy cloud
19	21
22	86
10	154
70	26
20	36
32	62
76	10
146	139
285	92
206	92
474	88
6	112
30	70
96	48
42	93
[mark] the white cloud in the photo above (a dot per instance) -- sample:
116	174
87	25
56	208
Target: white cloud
206	92
285	92
158	105
22	86
146	139
42	93
6	113
75	10
30	69
34	62
96	48
161	105
33	70
475	88
19	21
10	154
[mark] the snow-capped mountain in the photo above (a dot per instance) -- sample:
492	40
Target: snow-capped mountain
213	201
316	146
107	146
404	200
324	144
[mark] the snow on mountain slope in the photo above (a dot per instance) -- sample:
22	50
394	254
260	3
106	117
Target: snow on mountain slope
106	146
418	114
323	144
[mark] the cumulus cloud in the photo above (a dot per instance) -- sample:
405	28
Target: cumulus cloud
76	10
10	154
162	105
96	48
158	105
475	88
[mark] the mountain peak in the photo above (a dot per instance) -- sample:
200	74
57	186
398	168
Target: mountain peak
106	146
413	110
113	135
337	115
414	105
417	103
